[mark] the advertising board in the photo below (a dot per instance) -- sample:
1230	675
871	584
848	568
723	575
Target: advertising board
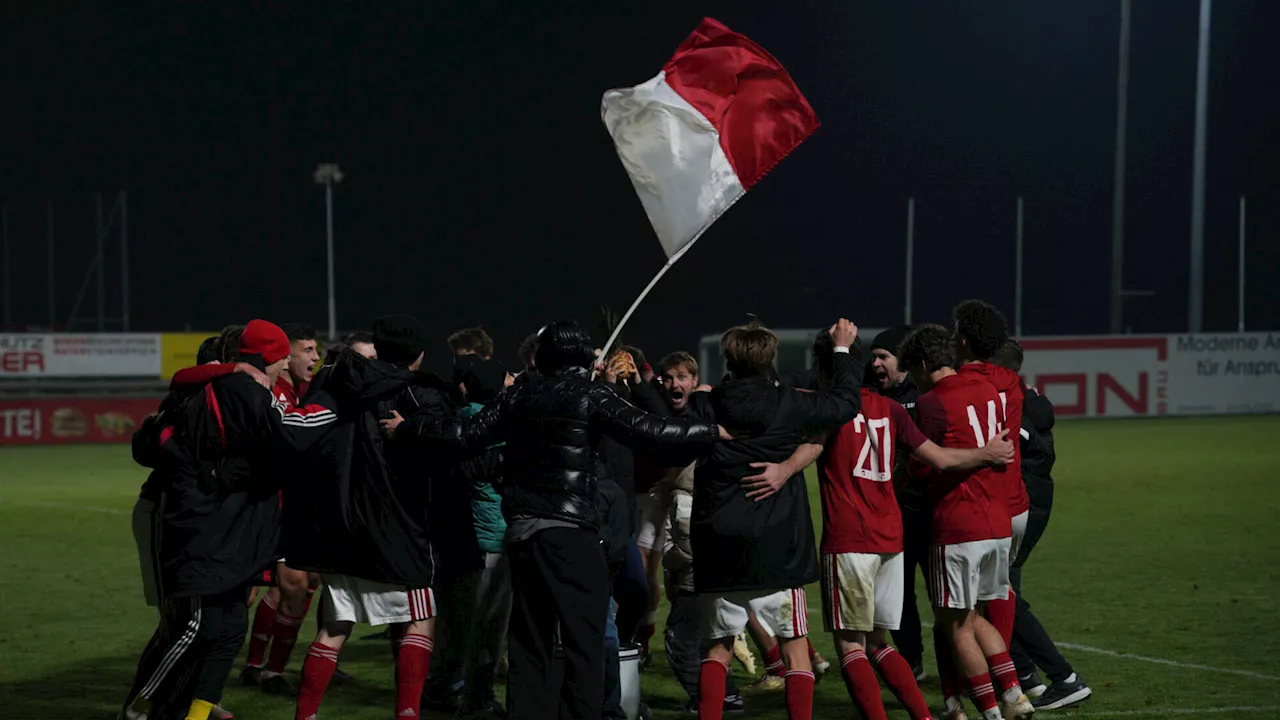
62	355
72	420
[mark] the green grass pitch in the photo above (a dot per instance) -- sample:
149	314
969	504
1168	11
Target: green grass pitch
1159	576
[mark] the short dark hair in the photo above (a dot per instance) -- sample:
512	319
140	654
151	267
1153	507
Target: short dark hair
473	339
229	343
563	344
527	348
358	337
749	350
929	344
298	332
680	359
1008	355
208	351
981	326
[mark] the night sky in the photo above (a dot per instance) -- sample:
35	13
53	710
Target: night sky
482	188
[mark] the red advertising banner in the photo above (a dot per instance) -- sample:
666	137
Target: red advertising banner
72	420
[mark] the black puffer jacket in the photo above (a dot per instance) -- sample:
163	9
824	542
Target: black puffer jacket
552	427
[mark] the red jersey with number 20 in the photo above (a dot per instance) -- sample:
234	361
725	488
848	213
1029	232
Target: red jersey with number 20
1009	386
964	411
855	477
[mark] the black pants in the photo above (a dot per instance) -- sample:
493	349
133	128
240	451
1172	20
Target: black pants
191	652
915	534
559	581
1031	645
684	645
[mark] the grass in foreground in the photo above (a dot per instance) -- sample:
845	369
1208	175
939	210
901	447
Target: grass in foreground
1163	545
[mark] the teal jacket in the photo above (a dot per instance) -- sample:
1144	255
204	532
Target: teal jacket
486	500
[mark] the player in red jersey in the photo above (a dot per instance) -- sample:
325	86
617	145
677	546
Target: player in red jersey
980	330
969	562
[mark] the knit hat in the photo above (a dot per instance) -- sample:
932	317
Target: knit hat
890	340
399	339
484	381
265	339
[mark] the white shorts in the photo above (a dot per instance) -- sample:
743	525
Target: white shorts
1019	532
862	592
143	527
783	613
965	574
353	599
652	524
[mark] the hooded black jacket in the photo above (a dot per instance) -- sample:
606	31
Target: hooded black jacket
741	544
362	507
1038	454
214	456
552	427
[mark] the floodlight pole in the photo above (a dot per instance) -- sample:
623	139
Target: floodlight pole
327	174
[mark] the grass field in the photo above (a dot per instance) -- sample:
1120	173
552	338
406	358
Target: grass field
1158	576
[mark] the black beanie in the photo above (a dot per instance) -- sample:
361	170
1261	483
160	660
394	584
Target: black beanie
484	381
399	339
890	340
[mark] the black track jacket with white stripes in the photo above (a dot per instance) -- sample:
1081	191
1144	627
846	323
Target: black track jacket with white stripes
214	533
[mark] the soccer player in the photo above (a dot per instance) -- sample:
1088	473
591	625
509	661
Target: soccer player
1032	644
758	556
285	605
969	561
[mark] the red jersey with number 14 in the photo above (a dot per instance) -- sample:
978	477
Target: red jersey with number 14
855	478
963	411
1009	386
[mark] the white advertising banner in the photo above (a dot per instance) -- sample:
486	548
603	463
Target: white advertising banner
1141	375
62	355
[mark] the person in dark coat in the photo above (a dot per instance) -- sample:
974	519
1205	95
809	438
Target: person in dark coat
552	425
215	519
363	519
756	557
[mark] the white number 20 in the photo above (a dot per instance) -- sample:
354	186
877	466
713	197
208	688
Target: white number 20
875	461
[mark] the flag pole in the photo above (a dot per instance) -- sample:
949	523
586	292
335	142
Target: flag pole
617	330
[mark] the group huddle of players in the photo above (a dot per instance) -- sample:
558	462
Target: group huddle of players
737	516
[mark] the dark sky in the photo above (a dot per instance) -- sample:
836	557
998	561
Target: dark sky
482	187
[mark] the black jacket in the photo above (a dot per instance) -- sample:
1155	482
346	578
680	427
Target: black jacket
214	458
740	544
912	493
1038	454
362	506
615	525
552	428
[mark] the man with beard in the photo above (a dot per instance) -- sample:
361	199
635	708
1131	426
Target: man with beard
552	425
363	520
216	521
756	557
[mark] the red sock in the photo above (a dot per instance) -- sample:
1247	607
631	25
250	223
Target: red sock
897	674
947	673
860	679
711	683
286	635
1000	614
800	695
773	662
412	664
264	625
317	671
1006	675
981	692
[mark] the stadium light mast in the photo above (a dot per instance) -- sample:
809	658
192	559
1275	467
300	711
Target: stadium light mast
1117	200
327	174
1195	299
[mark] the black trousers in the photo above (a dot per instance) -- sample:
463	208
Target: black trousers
560	582
191	653
915	534
684	644
1032	645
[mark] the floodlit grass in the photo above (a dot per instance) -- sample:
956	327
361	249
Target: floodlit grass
1164	544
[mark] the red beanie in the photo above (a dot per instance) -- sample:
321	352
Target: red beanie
266	339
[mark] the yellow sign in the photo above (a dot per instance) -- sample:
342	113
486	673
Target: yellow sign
178	351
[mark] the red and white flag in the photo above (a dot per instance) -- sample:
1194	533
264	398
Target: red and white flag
720	114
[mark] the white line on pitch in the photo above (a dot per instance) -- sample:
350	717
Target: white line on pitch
1166	711
66	506
1142	658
